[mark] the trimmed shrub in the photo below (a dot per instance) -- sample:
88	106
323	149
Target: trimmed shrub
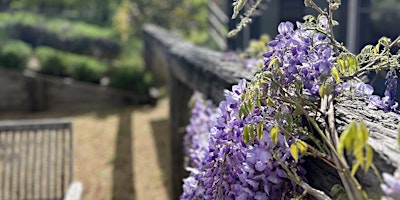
60	63
51	61
75	37
85	68
14	54
129	78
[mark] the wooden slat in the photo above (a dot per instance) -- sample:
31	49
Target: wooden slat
71	153
48	166
4	168
27	152
219	25
18	189
56	164
41	163
63	162
30	159
11	157
218	12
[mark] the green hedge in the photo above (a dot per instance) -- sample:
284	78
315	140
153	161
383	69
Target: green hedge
129	78
75	37
86	69
14	54
51	61
60	63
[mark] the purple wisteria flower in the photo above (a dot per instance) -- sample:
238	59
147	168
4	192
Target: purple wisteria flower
203	119
391	188
305	56
386	103
233	169
356	89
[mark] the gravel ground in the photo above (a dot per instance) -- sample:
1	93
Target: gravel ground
119	153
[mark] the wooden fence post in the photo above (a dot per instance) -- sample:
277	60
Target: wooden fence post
180	95
37	93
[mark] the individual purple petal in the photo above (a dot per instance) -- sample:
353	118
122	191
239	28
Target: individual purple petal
259	166
273	178
368	89
285	27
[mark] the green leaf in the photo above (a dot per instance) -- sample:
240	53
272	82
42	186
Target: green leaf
274	133
352	63
289	119
295	152
359	154
296	112
335	74
302	146
334	6
238	6
260	129
336	190
324	90
347	138
376	49
369	157
270	102
272	62
258	102
341	65
354	168
251	132
363	134
241	112
342	196
246	135
250	105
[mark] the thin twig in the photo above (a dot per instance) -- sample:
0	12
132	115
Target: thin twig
318	194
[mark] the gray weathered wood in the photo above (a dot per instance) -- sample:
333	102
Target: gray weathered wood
203	70
179	118
29	157
199	68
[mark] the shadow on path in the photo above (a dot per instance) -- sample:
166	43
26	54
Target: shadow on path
160	129
123	187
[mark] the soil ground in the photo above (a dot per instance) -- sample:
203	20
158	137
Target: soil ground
119	153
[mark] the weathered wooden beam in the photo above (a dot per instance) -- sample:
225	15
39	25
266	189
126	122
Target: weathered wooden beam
199	68
203	70
180	95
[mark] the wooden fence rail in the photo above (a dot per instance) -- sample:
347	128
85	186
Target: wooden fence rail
194	68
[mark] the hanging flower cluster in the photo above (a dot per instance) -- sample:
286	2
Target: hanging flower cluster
233	169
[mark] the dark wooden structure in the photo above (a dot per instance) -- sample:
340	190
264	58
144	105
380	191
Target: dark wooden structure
193	68
356	16
36	159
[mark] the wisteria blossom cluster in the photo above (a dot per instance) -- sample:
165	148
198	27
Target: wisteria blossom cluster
233	169
248	147
203	119
388	102
303	56
307	58
391	188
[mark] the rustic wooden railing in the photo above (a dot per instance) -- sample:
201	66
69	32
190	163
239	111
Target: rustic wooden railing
194	68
